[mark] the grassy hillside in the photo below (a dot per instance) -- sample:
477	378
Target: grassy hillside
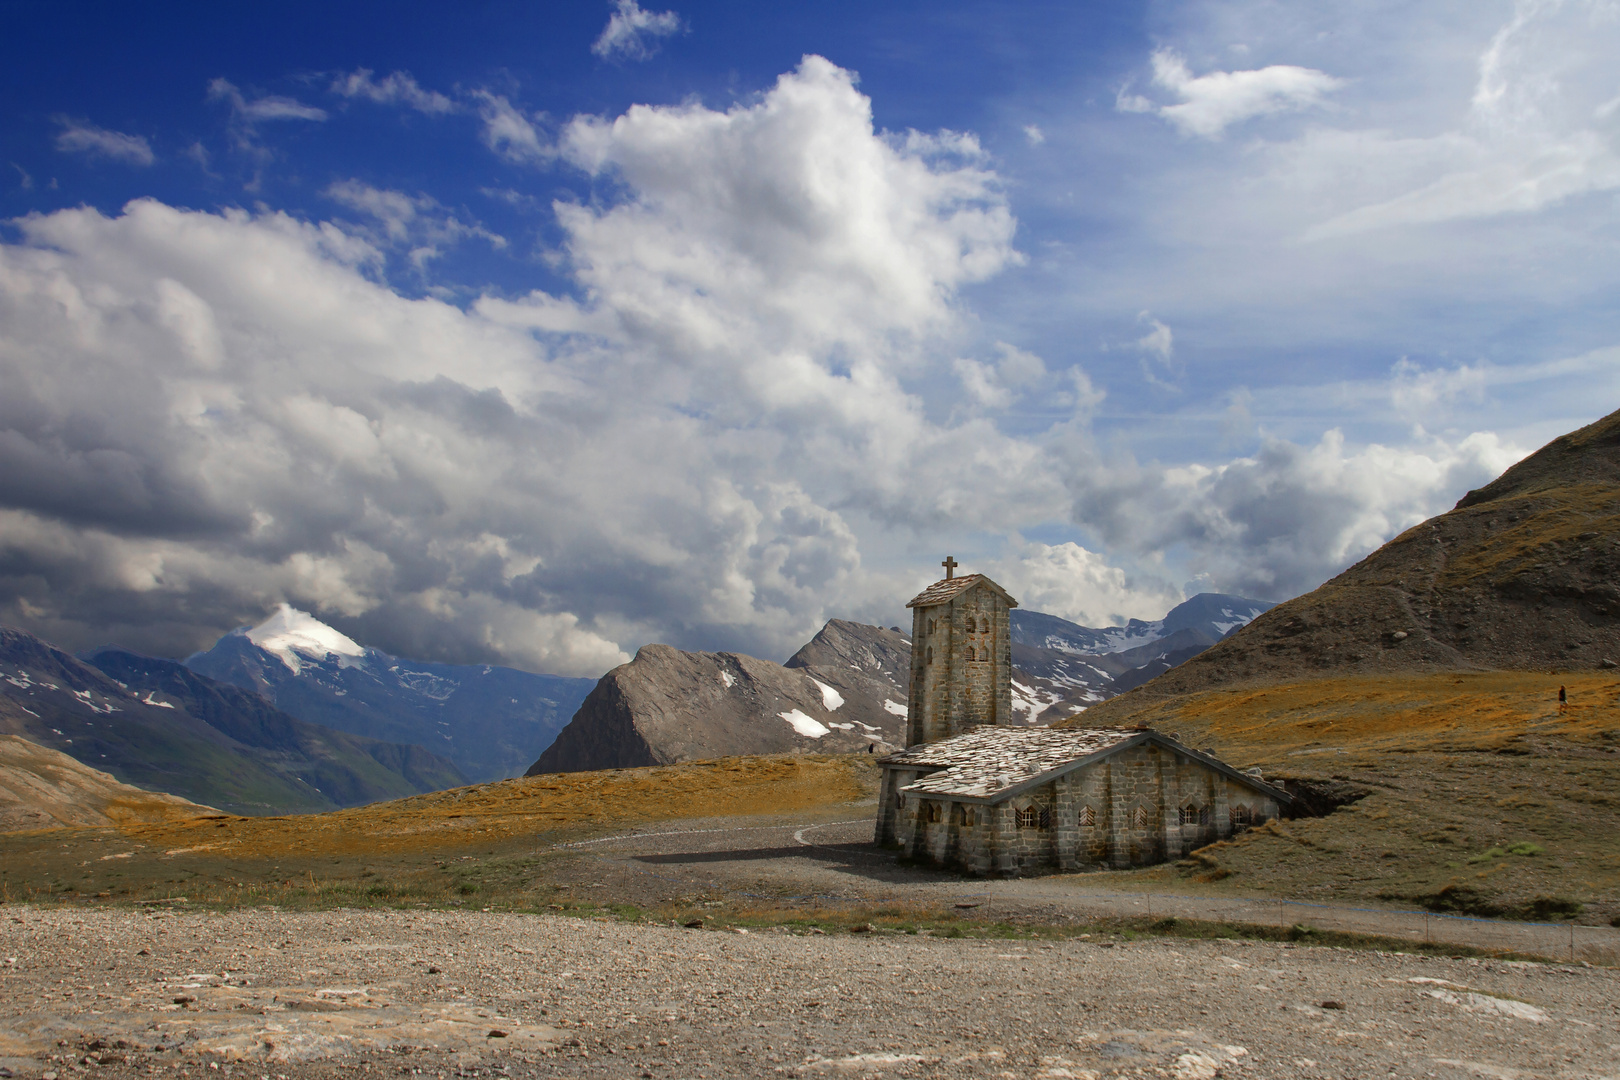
1481	795
477	840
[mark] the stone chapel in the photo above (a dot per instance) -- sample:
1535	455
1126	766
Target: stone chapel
973	792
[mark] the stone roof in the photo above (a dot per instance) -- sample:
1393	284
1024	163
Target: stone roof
991	763
947	589
990	759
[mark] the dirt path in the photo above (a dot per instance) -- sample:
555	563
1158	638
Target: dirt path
830	859
255	994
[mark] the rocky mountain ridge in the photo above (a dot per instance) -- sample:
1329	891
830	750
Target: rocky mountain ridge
844	691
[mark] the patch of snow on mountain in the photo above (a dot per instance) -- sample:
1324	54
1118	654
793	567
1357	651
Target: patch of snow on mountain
147	700
1243	619
1031	700
1120	638
290	632
893	707
807	726
830	698
725	677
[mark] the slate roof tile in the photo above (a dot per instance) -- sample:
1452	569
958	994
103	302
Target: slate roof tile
946	589
989	759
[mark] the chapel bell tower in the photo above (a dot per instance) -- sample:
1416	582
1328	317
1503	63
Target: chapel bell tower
961	657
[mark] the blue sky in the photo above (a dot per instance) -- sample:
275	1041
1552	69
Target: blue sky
532	333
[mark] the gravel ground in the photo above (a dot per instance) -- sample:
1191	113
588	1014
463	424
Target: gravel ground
284	995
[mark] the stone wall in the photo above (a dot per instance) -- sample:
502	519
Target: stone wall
1135	798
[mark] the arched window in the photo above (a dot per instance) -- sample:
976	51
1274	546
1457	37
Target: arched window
928	656
933	812
1028	817
1187	815
1241	816
1088	817
970	652
984	625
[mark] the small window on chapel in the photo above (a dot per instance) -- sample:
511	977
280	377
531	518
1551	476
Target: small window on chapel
1088	817
1139	817
928	657
970	655
1029	818
984	625
934	812
1241	816
1187	815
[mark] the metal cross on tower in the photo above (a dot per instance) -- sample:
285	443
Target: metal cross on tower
950	564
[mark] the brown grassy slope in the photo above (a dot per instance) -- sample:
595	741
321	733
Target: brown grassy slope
490	843
1520	576
41	788
532	804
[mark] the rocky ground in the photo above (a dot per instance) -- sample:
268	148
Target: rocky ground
261	993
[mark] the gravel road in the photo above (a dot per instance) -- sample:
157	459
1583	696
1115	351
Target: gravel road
831	860
282	995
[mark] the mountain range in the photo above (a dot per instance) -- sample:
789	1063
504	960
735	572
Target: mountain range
155	725
291	715
1063	667
492	722
847	688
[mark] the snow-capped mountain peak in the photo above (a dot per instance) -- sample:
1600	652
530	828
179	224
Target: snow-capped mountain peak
290	634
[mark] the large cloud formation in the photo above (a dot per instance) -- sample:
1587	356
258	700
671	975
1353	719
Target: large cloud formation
209	413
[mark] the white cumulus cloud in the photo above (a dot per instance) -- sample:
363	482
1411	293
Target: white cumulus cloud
711	435
417	222
1209	104
633	31
1073	583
